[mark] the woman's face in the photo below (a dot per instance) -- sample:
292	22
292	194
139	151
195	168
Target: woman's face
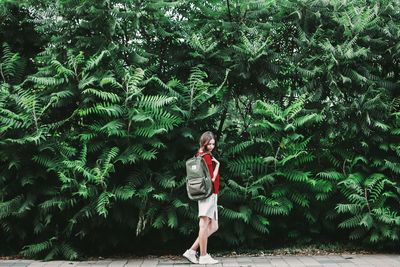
210	146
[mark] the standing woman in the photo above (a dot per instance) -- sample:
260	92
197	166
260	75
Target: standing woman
208	212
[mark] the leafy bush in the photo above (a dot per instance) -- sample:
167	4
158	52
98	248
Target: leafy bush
102	102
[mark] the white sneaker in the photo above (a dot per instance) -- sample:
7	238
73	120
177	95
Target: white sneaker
191	256
207	259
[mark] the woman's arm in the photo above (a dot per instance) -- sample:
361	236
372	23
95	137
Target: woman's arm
216	169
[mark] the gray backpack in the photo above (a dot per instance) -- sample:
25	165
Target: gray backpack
198	180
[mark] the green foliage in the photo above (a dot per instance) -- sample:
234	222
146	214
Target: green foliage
371	219
101	103
269	171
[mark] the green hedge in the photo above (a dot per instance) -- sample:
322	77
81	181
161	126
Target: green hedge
101	103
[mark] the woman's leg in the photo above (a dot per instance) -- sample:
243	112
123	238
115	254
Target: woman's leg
195	245
212	228
203	235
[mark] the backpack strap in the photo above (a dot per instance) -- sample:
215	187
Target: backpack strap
203	154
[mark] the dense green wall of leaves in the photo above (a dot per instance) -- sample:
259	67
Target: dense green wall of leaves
102	101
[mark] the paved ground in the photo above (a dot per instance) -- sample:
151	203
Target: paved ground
381	260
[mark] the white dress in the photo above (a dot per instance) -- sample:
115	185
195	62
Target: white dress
208	207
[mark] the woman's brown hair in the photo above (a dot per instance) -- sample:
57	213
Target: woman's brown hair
205	138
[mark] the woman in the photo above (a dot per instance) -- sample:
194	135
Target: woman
208	212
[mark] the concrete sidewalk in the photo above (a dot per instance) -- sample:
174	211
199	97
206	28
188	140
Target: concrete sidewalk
345	260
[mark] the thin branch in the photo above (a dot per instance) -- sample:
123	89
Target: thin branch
229	10
1	72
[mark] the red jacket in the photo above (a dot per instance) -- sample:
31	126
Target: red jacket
210	166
